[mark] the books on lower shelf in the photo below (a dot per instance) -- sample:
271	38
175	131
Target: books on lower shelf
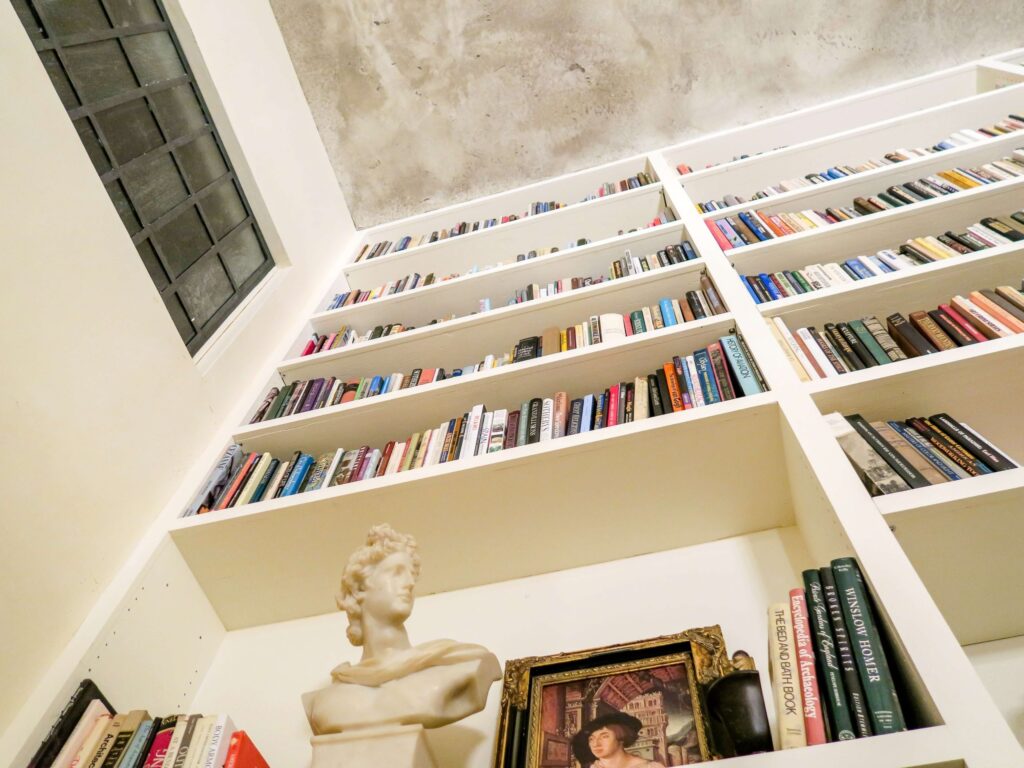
384	247
990	232
962	138
724	370
89	732
854	345
892	456
756	226
831	678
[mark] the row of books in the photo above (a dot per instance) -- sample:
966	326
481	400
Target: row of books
683	169
830	673
892	456
755	226
384	247
721	371
858	344
308	395
962	138
625	266
90	733
990	232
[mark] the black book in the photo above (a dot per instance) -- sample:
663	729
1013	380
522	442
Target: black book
949	242
847	664
288	473
627	393
526	349
65	723
666	400
902	195
533	421
917	254
977	447
826	350
894	459
414	378
755	282
920	190
654	396
575	416
458	436
1001	229
951	329
377	332
856	345
1018	217
853	362
694	302
970	243
909	339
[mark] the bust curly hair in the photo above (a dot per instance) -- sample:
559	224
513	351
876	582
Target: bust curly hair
381	541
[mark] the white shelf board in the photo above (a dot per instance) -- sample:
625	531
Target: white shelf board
270	561
467	340
596	220
461	295
1000	665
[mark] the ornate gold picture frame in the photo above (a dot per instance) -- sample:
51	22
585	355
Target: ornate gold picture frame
646	698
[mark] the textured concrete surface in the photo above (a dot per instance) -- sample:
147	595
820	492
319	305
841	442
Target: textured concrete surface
425	104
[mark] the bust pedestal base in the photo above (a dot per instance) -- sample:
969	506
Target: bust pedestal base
394	746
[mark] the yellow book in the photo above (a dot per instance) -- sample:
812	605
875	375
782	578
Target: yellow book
958	179
929	248
563	342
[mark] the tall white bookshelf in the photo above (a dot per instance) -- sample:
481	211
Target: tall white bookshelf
648	528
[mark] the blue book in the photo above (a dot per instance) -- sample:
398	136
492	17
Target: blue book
740	365
688	250
265	481
730	234
587	419
706	377
834	173
751	291
755	226
298	476
859	270
770	286
600	403
133	752
945	145
793	281
881	264
668	314
923	448
376	383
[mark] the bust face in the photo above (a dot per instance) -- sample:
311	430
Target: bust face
389	589
603	743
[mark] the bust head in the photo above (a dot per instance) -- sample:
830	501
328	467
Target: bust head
379	579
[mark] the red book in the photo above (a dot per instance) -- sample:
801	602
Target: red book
628	324
357	464
242	753
675	394
330	341
561	411
427	376
611	411
511	430
684	169
720	238
384	457
158	749
814	721
241	477
570	337
779	222
767	221
960	320
308	349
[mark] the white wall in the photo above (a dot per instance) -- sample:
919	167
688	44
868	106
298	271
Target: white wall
103	410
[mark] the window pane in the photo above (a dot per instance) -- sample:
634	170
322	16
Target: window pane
130	130
92	145
202	161
73	17
154	57
204	288
242	254
179	111
177	313
100	69
124	207
59	79
183	240
29	20
153	266
131	12
223	208
156	185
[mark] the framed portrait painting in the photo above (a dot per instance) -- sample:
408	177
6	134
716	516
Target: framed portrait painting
637	705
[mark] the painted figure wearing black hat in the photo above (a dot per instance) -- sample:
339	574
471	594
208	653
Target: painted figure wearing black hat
603	741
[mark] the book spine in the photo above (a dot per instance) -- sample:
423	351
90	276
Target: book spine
902	467
789	716
844	655
814	720
977	448
879	689
830	680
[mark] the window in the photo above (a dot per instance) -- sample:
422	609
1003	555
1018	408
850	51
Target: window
119	70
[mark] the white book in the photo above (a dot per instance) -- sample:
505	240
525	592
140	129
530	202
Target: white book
488	363
814	218
612	327
484	438
697	392
816	276
254	479
218	743
798	353
498	424
176	736
546	419
641	408
817	353
704	303
785	678
396	382
275	481
338	384
996	171
434	454
890	260
986	235
328	476
648	318
837	273
91	741
472	438
197	745
678	310
870	266
93	711
637	266
395	460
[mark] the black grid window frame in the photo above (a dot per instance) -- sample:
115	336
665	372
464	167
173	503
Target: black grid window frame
45	38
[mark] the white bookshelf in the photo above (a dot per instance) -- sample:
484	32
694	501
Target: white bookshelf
696	518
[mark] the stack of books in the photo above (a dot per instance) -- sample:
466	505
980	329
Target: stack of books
755	226
384	247
90	732
683	169
893	456
623	267
990	232
829	667
308	395
721	371
858	344
962	138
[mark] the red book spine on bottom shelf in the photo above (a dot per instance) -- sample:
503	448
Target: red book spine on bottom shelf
242	753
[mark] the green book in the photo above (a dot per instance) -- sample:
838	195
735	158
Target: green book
830	677
636	317
280	402
799	277
866	642
857	326
524	423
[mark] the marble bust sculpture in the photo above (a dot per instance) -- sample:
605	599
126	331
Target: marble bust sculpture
395	683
